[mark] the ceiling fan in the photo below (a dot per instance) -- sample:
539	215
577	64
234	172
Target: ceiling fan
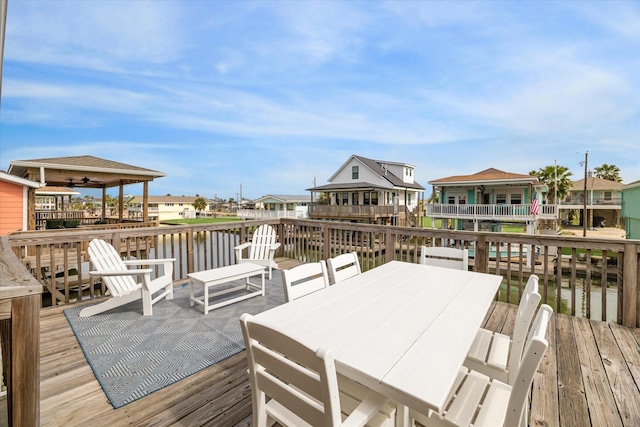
83	182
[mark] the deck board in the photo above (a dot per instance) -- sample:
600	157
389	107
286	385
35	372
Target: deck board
589	376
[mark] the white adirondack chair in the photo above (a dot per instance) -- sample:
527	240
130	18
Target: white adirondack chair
304	279
480	401
120	281
498	355
343	266
261	249
441	256
303	385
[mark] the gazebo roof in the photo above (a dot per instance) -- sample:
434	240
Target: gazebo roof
81	171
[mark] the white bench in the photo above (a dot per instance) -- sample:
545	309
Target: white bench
222	275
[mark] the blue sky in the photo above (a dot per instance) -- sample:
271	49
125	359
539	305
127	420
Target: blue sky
270	95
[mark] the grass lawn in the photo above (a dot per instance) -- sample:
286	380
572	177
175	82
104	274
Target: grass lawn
207	220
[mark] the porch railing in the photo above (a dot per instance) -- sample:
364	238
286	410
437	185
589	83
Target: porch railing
489	212
590	277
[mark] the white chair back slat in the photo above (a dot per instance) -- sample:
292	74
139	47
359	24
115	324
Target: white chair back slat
263	239
105	258
343	267
305	279
445	257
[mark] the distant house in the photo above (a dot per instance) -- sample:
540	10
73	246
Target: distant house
277	206
50	198
162	208
14	213
604	202
631	209
372	191
486	200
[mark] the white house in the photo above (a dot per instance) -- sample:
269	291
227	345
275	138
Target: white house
163	208
373	191
277	206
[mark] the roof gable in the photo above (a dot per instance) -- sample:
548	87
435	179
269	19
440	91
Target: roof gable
486	175
379	169
594	183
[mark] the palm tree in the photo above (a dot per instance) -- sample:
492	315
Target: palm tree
609	172
199	204
556	178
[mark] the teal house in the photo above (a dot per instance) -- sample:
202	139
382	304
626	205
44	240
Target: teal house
631	209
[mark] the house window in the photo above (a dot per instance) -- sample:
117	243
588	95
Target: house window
501	199
451	200
345	198
462	200
374	198
516	199
337	198
607	195
354	172
365	198
409	199
354	199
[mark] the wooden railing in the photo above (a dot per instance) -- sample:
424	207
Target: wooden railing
20	337
489	212
598	277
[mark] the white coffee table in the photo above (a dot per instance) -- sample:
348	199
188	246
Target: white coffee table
222	275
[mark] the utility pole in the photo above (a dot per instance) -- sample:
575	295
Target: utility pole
584	211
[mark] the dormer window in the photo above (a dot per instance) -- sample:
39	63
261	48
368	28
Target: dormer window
354	172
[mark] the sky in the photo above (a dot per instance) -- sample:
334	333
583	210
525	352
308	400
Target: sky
252	98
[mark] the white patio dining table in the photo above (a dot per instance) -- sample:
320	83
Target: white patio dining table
402	329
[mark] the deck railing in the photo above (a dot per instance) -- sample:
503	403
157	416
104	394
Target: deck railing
501	212
598	278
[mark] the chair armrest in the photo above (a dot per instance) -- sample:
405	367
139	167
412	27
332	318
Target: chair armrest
275	246
121	272
243	246
148	261
240	248
366	410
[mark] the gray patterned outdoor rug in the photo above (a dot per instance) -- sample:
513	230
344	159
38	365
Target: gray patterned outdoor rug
134	355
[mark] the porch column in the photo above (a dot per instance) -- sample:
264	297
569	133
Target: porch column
145	201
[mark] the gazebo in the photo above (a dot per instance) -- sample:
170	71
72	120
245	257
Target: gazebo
83	172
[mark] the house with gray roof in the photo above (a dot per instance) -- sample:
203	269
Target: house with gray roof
371	191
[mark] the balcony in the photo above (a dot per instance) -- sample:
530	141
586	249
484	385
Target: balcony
490	212
576	201
592	283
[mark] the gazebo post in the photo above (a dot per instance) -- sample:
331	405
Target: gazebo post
120	201
145	201
104	203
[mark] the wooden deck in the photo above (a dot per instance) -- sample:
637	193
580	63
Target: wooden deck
589	376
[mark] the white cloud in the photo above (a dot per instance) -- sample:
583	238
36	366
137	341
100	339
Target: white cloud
96	34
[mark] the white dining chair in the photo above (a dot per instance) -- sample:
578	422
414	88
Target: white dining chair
498	355
441	256
303	386
304	279
343	266
480	401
